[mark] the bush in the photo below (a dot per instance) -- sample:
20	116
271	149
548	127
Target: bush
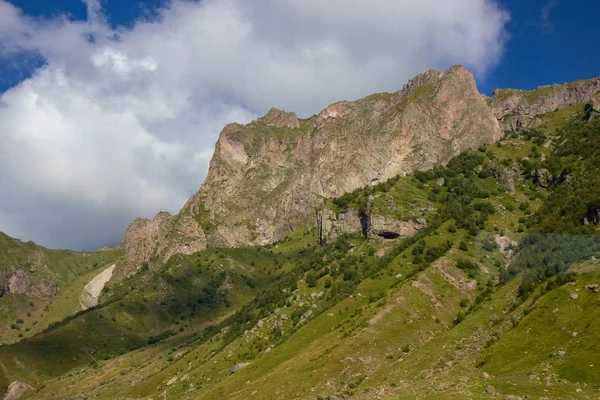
467	265
311	279
489	245
459	318
463	246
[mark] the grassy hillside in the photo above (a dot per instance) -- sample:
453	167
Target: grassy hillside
494	297
50	284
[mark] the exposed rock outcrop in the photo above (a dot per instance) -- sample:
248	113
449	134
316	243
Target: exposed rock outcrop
281	119
157	240
16	390
333	224
593	107
519	109
18	281
384	227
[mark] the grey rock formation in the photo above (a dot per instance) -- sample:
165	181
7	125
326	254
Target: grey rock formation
520	109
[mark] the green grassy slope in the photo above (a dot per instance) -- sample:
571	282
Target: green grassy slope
64	269
476	305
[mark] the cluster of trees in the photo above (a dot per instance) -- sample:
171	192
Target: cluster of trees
359	197
563	230
573	205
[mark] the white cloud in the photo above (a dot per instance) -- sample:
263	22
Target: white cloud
122	122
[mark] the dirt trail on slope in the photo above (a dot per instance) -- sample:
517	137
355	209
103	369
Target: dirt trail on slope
91	291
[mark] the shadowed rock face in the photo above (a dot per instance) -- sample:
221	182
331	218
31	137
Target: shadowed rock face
157	241
518	109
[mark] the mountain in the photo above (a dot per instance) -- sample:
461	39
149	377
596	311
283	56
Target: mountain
468	269
270	177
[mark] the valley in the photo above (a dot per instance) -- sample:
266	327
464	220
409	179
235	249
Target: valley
429	243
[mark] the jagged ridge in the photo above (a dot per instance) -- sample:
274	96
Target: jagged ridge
269	177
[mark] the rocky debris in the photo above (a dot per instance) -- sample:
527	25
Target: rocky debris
593	287
485	376
442	386
574	296
238	366
172	381
506	245
543	177
506	175
92	290
519	109
490	389
16	390
560	353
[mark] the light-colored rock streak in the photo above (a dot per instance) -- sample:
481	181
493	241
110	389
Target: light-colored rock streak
16	389
91	291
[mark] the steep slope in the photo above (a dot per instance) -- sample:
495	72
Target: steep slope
477	304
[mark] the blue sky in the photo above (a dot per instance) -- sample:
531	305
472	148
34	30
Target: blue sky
110	109
550	41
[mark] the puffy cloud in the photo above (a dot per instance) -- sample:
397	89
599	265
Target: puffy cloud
122	122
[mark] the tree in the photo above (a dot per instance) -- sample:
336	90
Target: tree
311	279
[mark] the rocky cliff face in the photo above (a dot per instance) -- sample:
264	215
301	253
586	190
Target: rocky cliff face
519	109
268	178
157	240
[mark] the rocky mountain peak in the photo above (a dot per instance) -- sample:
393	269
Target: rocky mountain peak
266	178
280	119
269	177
